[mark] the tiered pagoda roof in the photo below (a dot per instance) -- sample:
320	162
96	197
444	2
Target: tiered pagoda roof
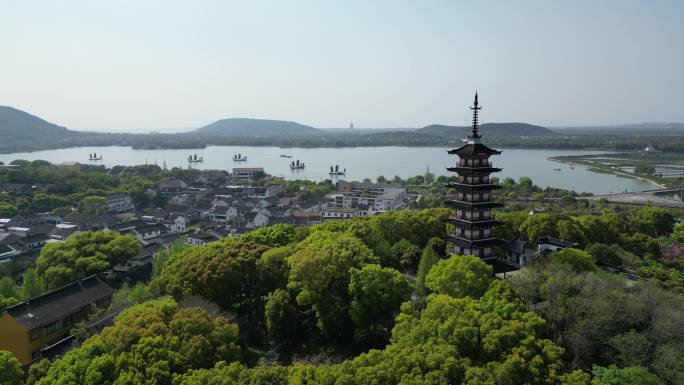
474	149
472	218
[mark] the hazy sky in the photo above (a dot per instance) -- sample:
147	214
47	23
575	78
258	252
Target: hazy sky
163	65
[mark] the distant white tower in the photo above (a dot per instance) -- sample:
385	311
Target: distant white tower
351	126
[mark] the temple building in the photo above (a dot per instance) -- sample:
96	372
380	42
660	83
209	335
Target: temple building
473	218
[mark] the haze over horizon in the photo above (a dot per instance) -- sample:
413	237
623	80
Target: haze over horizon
171	66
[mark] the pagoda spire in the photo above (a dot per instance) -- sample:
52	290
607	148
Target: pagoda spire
475	108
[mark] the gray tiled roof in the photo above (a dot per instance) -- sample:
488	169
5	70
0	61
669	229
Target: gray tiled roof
51	306
5	249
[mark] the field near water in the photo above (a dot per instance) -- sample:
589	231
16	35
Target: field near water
660	168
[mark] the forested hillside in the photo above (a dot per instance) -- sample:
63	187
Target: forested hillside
490	130
257	128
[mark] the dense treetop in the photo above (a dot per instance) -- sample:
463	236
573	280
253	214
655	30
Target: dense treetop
84	254
149	343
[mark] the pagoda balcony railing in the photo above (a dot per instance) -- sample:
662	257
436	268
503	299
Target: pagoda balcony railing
489	238
470	217
471	201
476	252
472	180
466	163
473	198
474	235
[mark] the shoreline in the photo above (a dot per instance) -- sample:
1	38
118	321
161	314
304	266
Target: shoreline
611	171
450	144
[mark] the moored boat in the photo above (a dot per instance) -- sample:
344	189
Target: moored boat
297	165
336	170
195	159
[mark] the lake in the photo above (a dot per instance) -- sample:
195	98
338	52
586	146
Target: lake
360	162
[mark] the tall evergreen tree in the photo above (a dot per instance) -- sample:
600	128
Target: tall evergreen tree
427	260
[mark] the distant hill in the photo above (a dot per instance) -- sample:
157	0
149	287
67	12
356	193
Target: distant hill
257	128
653	128
19	125
489	130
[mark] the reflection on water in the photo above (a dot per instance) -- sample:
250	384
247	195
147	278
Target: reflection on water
361	162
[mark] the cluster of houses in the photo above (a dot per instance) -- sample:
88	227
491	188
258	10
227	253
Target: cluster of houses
198	209
202	210
519	253
353	199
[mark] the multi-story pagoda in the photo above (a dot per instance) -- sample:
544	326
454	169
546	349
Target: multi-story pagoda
473	216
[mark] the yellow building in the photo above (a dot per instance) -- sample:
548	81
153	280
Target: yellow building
27	328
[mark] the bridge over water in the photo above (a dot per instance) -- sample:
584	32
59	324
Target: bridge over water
666	197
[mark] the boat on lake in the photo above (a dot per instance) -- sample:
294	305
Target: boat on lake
93	157
336	170
286	156
297	165
239	158
195	159
557	169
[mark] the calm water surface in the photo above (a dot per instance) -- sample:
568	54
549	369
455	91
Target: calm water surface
360	162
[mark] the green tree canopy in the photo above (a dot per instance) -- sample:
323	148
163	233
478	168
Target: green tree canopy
599	228
492	340
273	236
539	225
613	375
511	222
225	272
578	260
37	370
10	369
320	273
571	231
653	221
8	289
460	276
427	260
82	255
678	232
150	343
33	284
283	321
93	205
7	210
376	295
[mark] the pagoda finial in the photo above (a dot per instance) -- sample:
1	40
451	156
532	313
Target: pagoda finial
475	108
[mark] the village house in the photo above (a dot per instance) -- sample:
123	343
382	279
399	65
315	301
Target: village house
547	245
306	218
257	218
178	223
367	197
201	238
147	232
138	268
519	252
29	327
119	203
332	212
273	190
247	172
7	252
88	222
171	187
